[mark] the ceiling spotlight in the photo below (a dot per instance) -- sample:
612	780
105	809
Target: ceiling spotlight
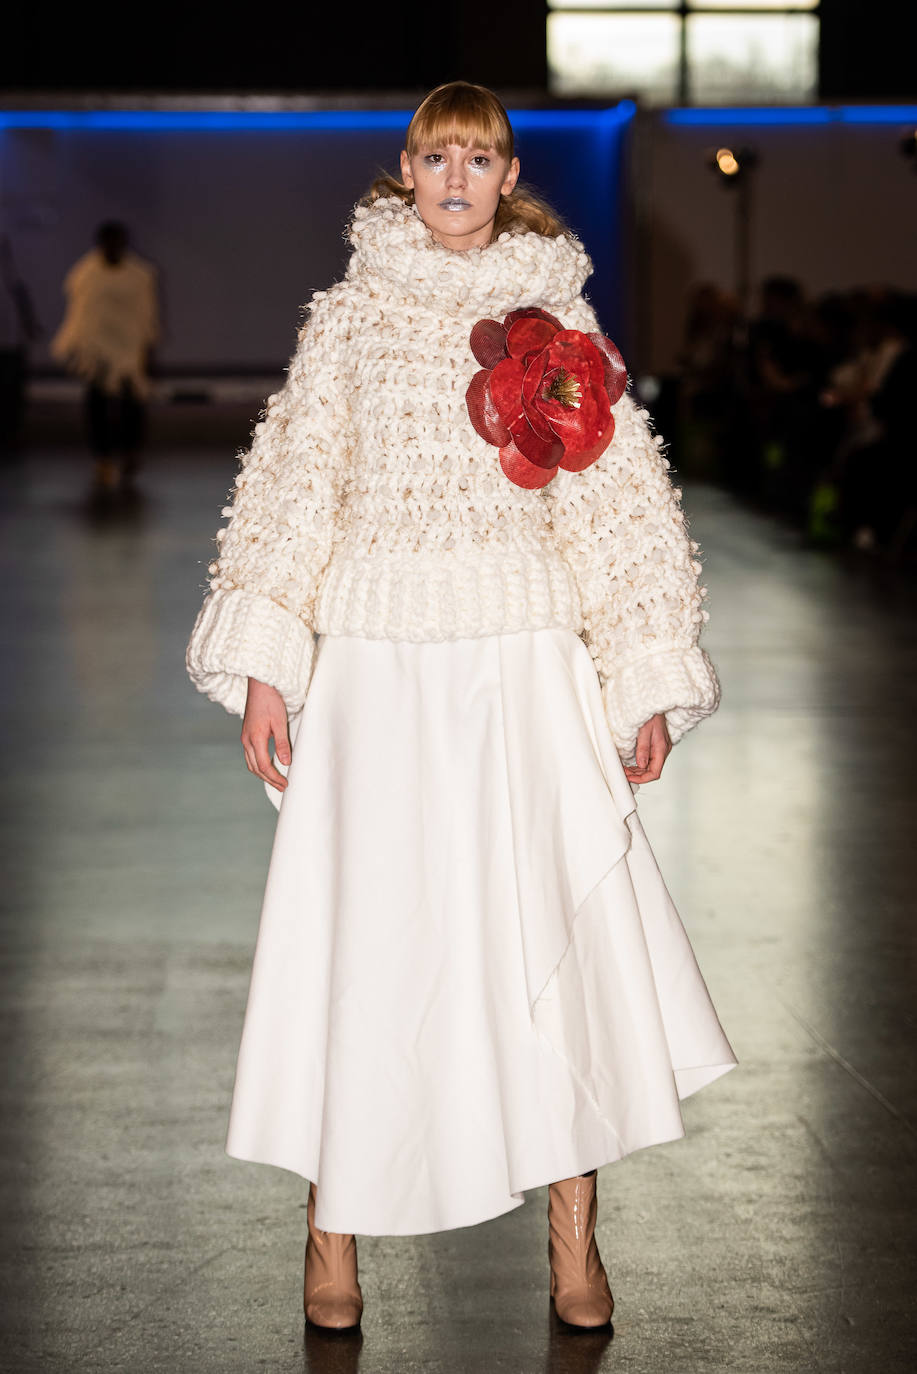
727	162
732	164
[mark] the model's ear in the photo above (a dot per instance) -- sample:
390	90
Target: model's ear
512	177
407	175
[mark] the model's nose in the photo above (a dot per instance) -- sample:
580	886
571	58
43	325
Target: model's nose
455	177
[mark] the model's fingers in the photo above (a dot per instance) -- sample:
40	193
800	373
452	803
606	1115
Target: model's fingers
652	749
269	774
657	755
262	752
249	748
266	770
275	779
256	745
640	776
282	742
659	750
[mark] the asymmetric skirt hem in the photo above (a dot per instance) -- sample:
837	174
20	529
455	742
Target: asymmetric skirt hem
470	980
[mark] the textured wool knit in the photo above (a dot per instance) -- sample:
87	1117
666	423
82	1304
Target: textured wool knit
368	505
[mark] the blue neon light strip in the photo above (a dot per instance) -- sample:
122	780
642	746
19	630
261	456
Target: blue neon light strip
799	114
881	114
307	120
396	120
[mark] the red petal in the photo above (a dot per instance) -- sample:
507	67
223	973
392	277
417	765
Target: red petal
488	342
527	335
519	470
578	462
615	367
506	390
581	428
483	413
545	453
532	312
534	376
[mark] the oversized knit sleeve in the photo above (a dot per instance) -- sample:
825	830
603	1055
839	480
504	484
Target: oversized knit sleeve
621	529
257	619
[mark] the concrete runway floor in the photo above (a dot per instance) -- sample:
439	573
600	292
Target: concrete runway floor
779	1235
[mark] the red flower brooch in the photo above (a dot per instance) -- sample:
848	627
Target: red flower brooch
545	394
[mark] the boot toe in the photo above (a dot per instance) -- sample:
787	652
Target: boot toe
592	1308
335	1313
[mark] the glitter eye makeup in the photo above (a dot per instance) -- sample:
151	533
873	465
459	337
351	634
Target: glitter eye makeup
479	163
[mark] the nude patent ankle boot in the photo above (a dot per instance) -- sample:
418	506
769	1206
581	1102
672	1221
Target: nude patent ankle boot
331	1293
578	1283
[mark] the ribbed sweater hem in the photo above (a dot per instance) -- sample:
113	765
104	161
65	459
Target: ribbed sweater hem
432	597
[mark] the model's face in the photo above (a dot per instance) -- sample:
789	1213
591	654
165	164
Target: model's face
457	191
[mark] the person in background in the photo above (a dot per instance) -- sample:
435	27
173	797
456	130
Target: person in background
109	328
709	394
874	387
786	363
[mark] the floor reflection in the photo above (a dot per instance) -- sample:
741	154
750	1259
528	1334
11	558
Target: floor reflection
569	1350
332	1352
573	1351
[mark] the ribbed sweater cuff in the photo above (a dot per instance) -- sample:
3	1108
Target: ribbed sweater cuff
681	682
239	635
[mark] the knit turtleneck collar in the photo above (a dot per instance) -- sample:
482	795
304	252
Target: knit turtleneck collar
391	241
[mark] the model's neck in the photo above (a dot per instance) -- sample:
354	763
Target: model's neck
460	243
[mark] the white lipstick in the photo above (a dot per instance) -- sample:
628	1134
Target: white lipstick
455	203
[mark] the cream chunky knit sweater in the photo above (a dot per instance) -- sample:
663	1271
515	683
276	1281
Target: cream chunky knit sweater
369	506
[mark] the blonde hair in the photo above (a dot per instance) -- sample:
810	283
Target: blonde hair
472	116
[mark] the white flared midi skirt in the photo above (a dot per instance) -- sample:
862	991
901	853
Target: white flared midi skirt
470	979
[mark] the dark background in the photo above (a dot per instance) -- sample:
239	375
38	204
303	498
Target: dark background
404	47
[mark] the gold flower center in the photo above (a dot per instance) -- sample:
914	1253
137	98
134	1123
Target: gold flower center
564	389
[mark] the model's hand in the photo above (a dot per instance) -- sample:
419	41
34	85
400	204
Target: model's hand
265	716
653	748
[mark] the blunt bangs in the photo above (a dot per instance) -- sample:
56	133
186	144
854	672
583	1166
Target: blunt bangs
460	113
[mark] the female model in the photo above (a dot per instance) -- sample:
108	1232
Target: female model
457	591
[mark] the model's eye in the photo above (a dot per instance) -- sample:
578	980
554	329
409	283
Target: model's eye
433	159
481	161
